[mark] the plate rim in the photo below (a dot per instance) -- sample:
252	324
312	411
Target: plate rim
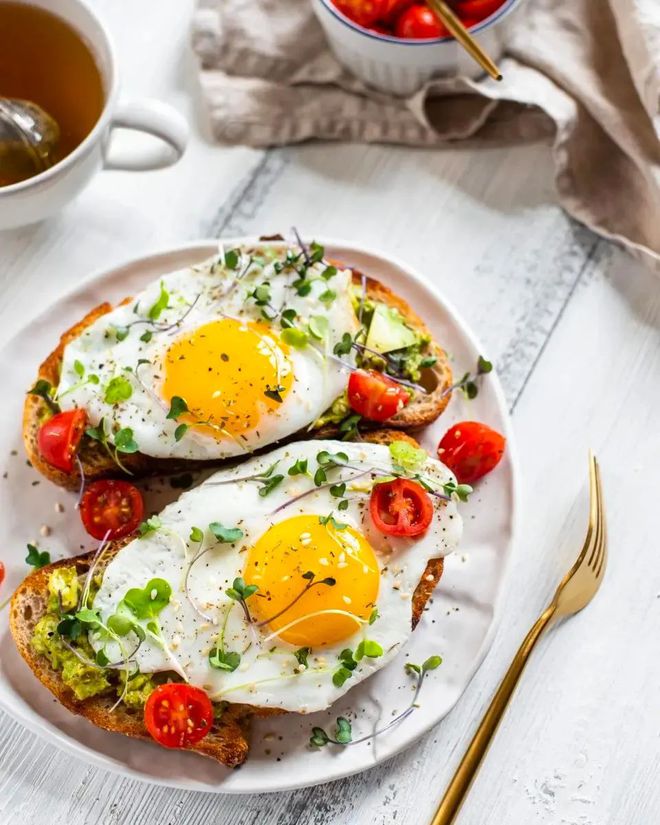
71	744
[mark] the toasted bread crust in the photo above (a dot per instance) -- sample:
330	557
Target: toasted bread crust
227	742
96	462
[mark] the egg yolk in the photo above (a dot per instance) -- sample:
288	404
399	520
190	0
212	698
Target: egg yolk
230	373
312	610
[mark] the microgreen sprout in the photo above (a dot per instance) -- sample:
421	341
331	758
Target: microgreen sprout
117	389
343	733
37	558
469	382
241	592
309	577
149	526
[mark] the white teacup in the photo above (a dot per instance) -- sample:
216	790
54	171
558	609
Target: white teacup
46	193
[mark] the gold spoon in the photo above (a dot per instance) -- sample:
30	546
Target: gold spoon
463	36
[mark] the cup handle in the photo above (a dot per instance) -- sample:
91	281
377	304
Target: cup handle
154	118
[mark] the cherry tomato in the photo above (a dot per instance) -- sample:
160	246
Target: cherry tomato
178	715
375	396
418	23
111	506
475	10
59	437
2	572
393	9
400	508
471	450
362	12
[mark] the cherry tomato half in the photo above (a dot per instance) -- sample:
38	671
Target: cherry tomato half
418	23
475	10
59	437
375	396
400	508
111	506
471	450
178	715
362	12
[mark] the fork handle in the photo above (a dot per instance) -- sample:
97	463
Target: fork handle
467	770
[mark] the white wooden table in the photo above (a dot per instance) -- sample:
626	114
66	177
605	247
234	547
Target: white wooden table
572	325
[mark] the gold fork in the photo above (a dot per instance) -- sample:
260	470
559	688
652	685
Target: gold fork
575	591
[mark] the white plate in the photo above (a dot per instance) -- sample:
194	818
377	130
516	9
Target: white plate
458	624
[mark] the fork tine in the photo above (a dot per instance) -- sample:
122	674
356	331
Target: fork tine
594	511
603	526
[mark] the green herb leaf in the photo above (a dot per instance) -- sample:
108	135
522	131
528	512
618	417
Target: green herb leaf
101	658
224	660
299	468
118	389
161	303
368	648
338	525
287	318
232	258
338	490
344	732
121	333
295	337
428	361
320	477
411	668
37	558
329	272
340	676
327	297
374	615
316	252
180	431
43	389
344	346
147	602
146	336
177	407
124	441
461	491
431	663
79	368
483	366
149	525
319	326
319	738
226	535
261	294
301	655
343	505
326	459
269	485
196	534
302	287
239	591
70	627
347	659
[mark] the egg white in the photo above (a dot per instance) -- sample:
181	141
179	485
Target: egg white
199	295
269	674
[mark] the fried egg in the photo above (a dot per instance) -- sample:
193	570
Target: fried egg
242	340
325	587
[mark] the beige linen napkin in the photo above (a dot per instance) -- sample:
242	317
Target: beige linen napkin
585	71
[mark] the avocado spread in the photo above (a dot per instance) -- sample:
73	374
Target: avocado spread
83	679
387	333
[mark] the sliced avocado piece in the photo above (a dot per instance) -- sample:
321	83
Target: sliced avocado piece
388	331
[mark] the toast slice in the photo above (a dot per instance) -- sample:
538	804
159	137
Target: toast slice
228	740
96	462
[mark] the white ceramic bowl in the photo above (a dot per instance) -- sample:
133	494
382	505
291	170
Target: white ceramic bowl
401	67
